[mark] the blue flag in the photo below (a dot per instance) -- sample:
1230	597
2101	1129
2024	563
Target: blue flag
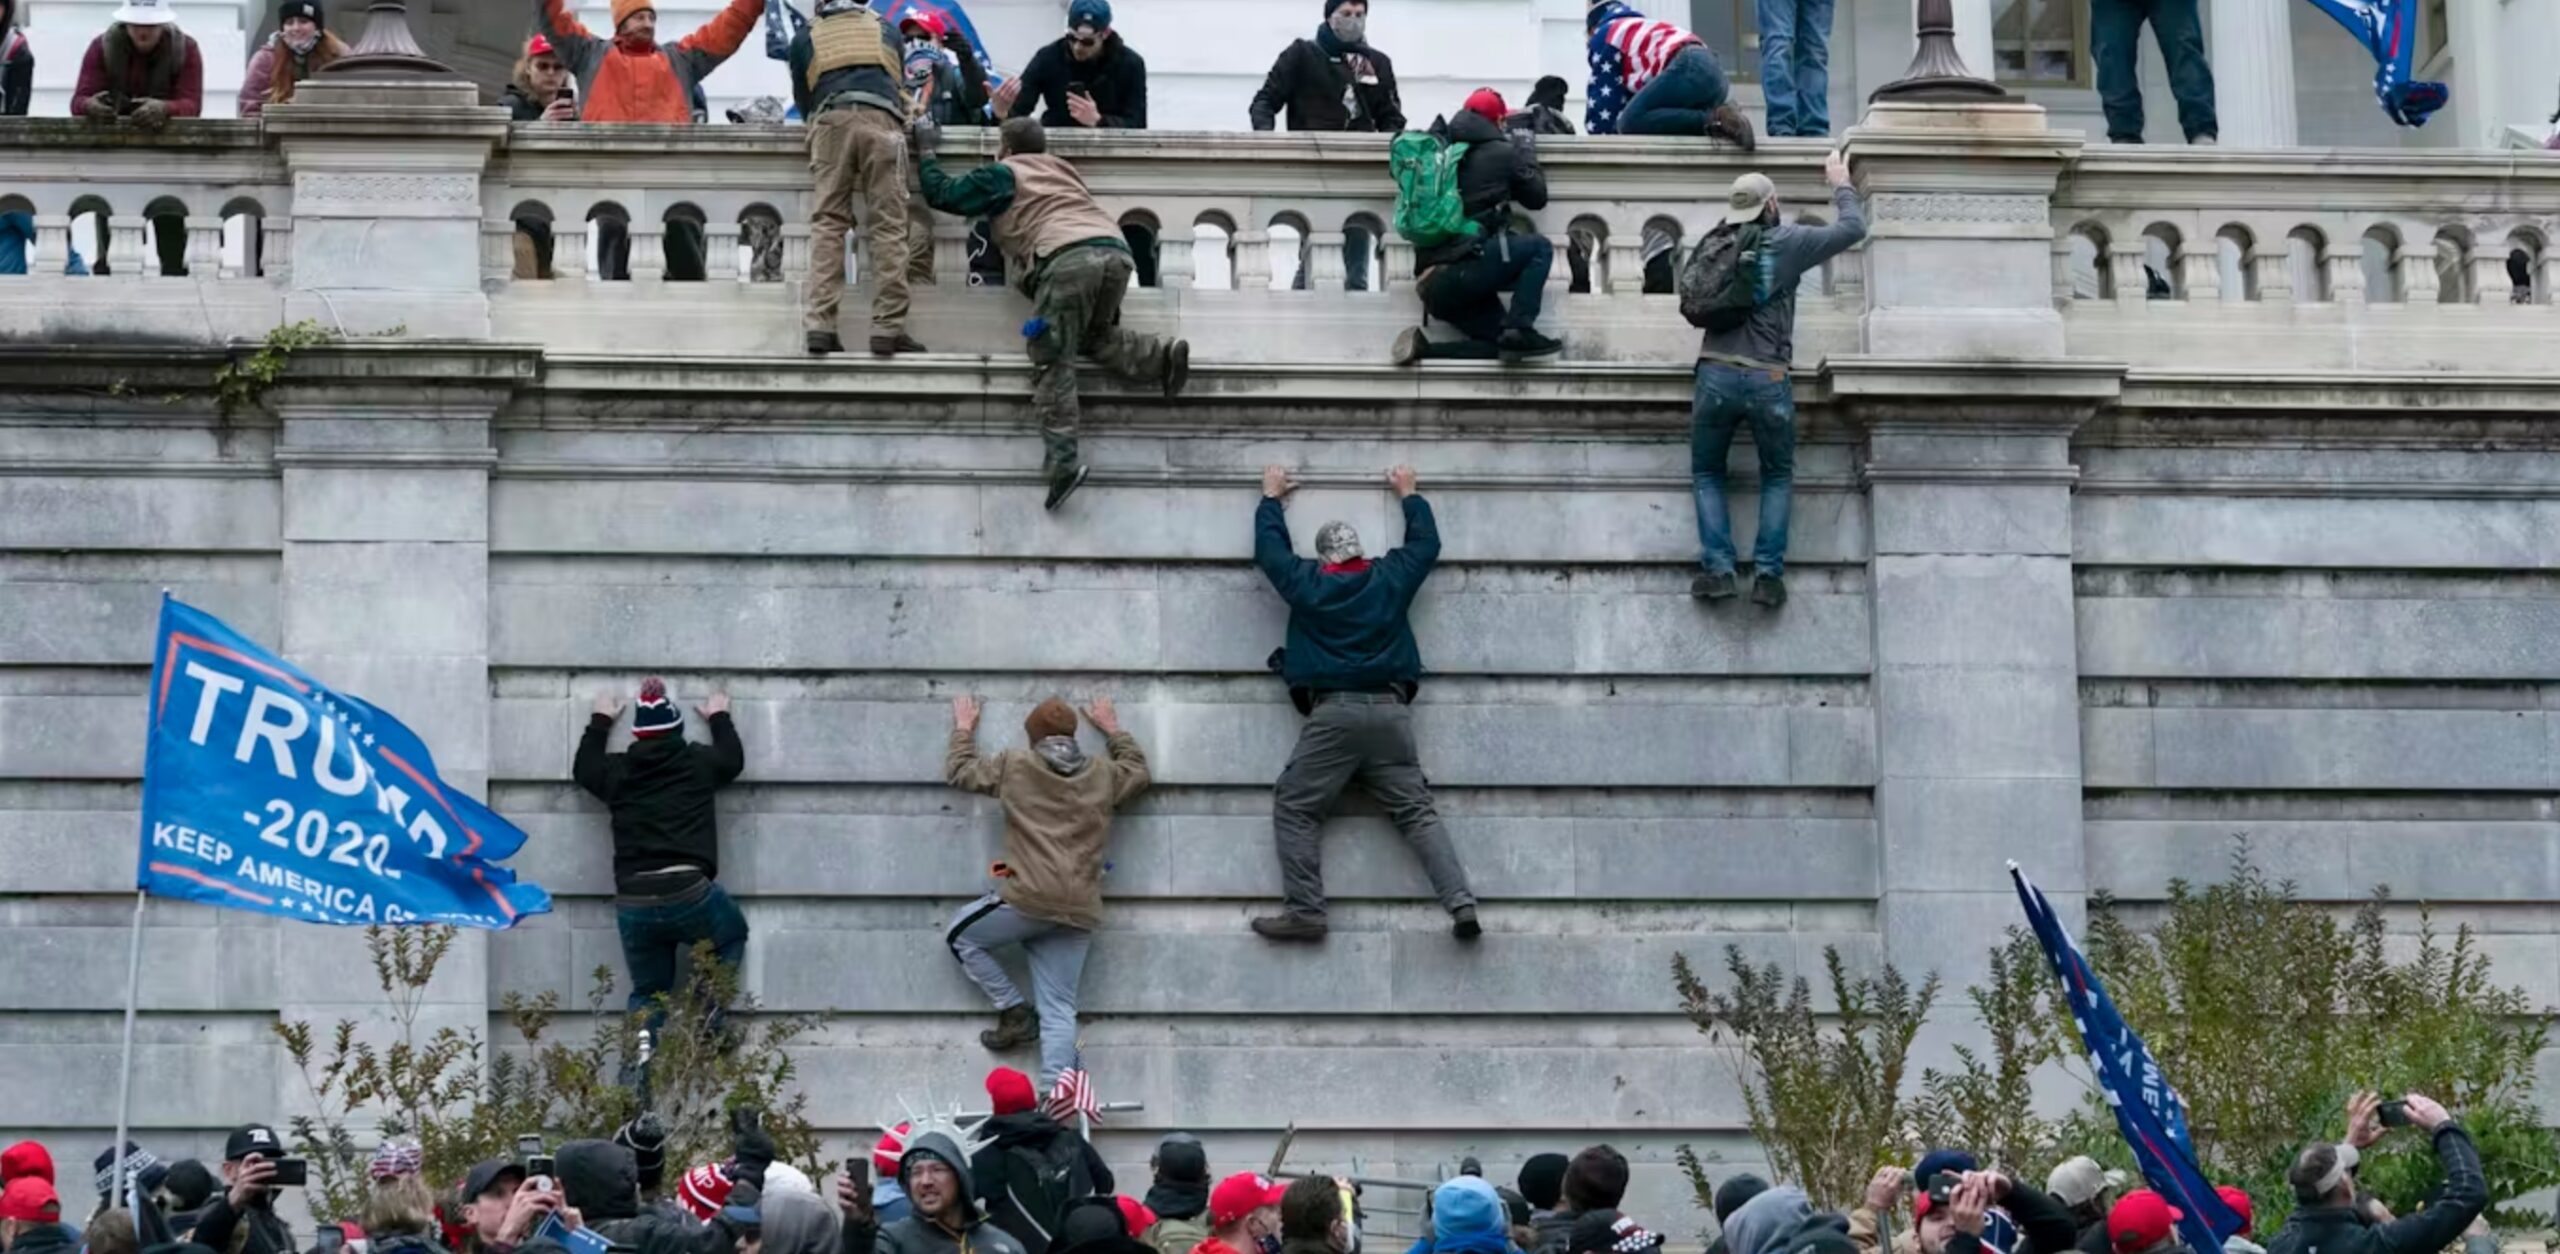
263	790
2148	1112
2389	30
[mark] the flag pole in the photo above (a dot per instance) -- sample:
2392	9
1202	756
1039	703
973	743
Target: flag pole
128	1186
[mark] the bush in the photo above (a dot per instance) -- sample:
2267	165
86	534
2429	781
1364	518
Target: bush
708	1061
1823	1098
1987	1104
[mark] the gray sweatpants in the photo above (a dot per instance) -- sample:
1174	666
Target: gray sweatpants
1367	737
1056	956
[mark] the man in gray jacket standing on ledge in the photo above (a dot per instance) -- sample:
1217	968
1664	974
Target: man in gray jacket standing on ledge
1353	669
1743	376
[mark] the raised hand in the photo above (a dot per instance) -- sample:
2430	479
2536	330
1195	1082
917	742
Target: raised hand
1103	717
964	713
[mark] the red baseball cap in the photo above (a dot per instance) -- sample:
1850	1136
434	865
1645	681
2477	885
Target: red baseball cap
1239	1195
929	20
30	1199
26	1158
2237	1199
2141	1220
1136	1214
538	46
1487	103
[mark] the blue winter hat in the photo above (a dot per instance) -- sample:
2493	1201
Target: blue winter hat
1467	1214
1942	1160
1093	13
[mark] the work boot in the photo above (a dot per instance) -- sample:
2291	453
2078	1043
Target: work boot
1712	587
1289	927
1731	123
1177	368
1769	590
892	345
822	343
1463	923
1408	348
1016	1026
1522	343
1063	482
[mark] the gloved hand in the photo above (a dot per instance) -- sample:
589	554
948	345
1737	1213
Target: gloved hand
926	137
646	1138
151	115
754	1151
99	108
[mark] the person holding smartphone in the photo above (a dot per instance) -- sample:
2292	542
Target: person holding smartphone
2323	1177
1088	78
254	1168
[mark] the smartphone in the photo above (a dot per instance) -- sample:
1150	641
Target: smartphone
528	1145
2395	1114
328	1239
569	89
859	1171
291	1173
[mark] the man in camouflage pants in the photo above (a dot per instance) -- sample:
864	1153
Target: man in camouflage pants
1071	259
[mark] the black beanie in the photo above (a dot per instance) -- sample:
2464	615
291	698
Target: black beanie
1731	1194
1331	5
299	8
1542	1180
1549	92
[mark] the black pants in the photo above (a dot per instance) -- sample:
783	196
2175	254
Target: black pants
1468	294
684	250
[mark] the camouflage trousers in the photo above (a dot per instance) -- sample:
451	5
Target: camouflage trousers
1078	300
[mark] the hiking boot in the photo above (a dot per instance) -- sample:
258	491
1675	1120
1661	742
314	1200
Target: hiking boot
1289	927
1712	587
1731	123
1063	484
1408	349
892	345
1016	1026
1463	925
1521	343
1177	368
822	343
1769	590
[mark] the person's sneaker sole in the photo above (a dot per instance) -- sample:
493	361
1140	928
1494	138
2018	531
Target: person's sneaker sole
1408	348
1059	492
1177	368
1289	930
1713	588
1733	124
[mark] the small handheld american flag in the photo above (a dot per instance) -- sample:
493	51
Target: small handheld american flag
1073	1096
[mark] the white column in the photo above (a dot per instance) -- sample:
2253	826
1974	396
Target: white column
2252	50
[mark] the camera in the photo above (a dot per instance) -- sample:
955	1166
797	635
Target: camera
2395	1114
291	1173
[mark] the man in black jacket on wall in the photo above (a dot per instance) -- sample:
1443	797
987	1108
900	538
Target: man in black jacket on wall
1333	82
1462	282
1353	668
1087	78
666	835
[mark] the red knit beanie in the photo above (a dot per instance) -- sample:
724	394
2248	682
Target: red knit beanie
1011	1091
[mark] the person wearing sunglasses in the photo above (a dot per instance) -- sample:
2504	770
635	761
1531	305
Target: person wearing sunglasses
1088	78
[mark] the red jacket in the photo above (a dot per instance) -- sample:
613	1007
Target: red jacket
186	99
655	86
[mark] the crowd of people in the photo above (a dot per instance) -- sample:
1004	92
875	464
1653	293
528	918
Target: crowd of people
1021	1181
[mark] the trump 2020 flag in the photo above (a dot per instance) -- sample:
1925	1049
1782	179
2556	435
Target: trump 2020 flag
2148	1112
264	790
2389	30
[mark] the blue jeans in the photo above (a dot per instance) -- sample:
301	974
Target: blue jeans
656	939
2115	36
1727	397
1678	99
1795	65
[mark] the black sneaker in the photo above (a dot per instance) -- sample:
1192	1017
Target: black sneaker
1463	925
1290	927
1727	122
1408	349
1769	590
1065	485
1177	368
822	343
1713	587
892	345
1521	343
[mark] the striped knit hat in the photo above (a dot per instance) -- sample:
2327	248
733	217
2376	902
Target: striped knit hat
655	713
704	1190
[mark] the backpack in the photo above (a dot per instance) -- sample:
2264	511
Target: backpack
1430	211
1038	1183
1726	277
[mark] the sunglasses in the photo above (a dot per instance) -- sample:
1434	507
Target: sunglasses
1084	40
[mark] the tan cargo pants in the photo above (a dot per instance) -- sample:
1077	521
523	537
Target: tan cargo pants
865	149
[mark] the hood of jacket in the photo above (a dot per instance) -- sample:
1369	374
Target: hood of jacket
1061	754
944	1148
1023	1127
1469	127
799	1223
1178	1199
1765	1220
599	1178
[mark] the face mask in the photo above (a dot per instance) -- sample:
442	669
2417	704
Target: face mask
302	47
1348	27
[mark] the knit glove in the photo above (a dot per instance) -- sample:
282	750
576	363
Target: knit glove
99	108
646	1138
754	1151
151	115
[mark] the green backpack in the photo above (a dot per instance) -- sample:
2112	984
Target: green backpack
1429	209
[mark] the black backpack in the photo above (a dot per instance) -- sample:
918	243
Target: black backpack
1726	277
1039	1181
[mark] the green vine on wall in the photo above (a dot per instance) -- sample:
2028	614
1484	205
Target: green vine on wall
242	383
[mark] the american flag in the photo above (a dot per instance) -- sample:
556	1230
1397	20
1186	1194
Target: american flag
1073	1096
1627	50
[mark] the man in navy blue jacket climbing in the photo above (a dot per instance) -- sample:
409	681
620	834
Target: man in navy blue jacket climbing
1353	669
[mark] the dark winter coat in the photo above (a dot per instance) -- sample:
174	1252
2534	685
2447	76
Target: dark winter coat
1037	1132
259	1229
916	1234
2341	1230
660	793
602	1181
1117	81
17	64
1317	89
520	104
1349	631
1498	171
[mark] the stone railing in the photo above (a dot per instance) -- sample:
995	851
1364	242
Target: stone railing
1272	247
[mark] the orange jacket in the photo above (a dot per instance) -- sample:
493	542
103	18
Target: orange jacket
656	86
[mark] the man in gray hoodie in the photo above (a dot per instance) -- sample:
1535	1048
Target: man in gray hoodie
946	1218
1743	376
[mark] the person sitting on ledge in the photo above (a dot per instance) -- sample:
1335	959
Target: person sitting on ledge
300	48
